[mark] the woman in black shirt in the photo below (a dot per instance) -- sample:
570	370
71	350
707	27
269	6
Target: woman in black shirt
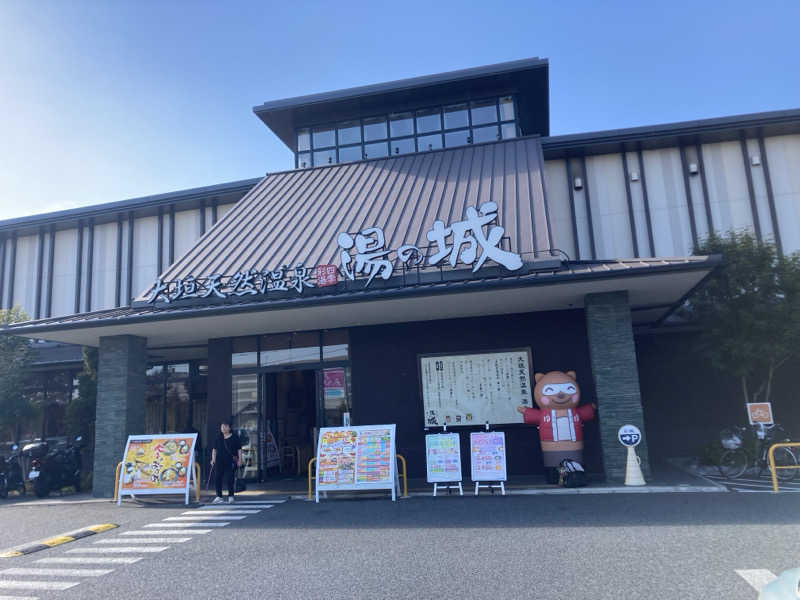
225	457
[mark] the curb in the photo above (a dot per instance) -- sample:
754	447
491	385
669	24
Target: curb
58	540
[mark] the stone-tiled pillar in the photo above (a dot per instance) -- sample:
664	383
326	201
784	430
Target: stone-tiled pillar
122	361
616	378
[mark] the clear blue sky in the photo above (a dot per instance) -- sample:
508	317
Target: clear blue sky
107	100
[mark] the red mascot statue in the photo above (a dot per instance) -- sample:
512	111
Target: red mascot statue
559	419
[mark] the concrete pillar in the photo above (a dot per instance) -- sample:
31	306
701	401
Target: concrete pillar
616	378
122	362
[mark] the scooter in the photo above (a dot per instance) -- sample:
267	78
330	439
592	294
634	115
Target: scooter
11	474
54	469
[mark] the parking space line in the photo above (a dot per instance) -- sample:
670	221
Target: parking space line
154	540
118	550
757	578
220	511
90	560
208	518
22	571
14	584
167	532
177	525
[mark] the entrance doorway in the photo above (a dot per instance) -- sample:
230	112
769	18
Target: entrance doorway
289	419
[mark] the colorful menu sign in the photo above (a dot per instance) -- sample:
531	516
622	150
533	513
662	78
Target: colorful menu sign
488	455
443	457
356	458
473	389
157	464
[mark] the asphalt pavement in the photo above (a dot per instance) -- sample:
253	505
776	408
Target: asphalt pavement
605	546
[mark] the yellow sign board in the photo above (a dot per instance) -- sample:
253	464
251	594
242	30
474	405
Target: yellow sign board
158	464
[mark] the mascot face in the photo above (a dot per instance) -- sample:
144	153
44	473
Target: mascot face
556	390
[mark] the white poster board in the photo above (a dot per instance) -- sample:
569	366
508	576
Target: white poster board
356	458
443	457
473	389
487	455
157	464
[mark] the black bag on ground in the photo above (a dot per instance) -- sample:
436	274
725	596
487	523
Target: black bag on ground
571	474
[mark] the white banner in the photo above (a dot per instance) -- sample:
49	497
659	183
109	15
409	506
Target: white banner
473	389
488	455
443	457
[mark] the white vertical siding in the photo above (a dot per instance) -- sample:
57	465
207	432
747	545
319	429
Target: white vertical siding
557	192
145	253
672	234
222	209
6	262
124	292
105	266
45	274
637	199
760	190
609	202
85	269
187	230
783	153
165	241
727	187
25	273
696	190
581	214
65	269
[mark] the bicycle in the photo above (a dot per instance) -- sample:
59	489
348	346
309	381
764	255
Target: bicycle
735	460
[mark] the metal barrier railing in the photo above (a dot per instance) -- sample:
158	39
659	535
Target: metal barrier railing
196	481
402	474
773	467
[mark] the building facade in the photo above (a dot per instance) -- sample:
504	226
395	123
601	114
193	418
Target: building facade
431	216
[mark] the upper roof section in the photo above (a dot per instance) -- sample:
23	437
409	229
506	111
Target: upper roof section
527	80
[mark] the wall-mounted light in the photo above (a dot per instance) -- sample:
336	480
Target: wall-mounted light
577	183
693	169
634	176
755	160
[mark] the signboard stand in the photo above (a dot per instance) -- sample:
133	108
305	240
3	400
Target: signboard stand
488	459
443	461
357	458
158	464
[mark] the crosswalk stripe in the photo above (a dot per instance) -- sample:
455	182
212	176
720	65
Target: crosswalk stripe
118	550
221	512
260	501
208	518
56	572
167	532
90	560
13	584
757	578
154	540
18	598
216	507
203	524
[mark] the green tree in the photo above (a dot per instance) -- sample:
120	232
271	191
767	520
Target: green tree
16	355
80	413
749	311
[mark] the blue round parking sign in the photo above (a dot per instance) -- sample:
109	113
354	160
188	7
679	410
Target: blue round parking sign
629	436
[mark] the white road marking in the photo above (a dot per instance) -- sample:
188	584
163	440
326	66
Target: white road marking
208	518
13	584
18	598
258	502
167	532
203	524
221	512
143	540
245	507
757	578
22	571
118	550
90	560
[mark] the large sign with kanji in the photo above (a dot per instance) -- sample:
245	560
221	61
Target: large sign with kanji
471	242
473	389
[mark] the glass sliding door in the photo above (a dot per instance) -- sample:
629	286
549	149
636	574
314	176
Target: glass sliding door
246	422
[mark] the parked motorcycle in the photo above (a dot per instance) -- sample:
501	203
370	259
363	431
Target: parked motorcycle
11	474
56	468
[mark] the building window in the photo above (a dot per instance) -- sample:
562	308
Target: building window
423	130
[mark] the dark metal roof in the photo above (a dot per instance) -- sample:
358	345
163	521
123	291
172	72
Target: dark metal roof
527	78
779	122
231	191
295	217
343	293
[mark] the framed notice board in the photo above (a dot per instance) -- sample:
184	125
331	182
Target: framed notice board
356	458
157	464
472	389
443	457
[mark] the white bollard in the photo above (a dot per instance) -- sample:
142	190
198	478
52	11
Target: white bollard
633	470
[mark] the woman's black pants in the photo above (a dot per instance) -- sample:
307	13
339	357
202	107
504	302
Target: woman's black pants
223	471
